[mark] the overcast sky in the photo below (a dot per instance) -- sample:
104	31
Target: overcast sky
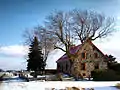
18	15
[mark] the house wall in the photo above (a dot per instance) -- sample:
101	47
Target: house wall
64	66
90	60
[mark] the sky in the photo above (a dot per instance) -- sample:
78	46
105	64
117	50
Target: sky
18	15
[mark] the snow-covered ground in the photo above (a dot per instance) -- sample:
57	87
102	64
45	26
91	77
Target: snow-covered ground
37	85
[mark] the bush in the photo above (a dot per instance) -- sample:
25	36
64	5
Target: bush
105	75
114	66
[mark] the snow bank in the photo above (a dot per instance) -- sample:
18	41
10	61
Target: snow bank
36	85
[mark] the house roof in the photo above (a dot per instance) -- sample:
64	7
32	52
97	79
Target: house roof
74	49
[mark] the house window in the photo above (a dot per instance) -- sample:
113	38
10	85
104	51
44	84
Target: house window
96	55
83	55
84	74
82	66
96	66
86	56
93	48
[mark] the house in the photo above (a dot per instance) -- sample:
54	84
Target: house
89	57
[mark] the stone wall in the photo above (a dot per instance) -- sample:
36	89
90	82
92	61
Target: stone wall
90	60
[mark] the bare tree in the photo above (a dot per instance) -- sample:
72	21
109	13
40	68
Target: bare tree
29	36
62	28
44	38
59	25
66	27
92	25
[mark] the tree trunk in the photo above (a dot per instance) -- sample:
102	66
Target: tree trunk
35	74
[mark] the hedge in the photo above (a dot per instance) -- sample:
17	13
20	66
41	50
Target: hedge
105	75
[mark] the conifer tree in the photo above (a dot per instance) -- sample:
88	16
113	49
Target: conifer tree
35	57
